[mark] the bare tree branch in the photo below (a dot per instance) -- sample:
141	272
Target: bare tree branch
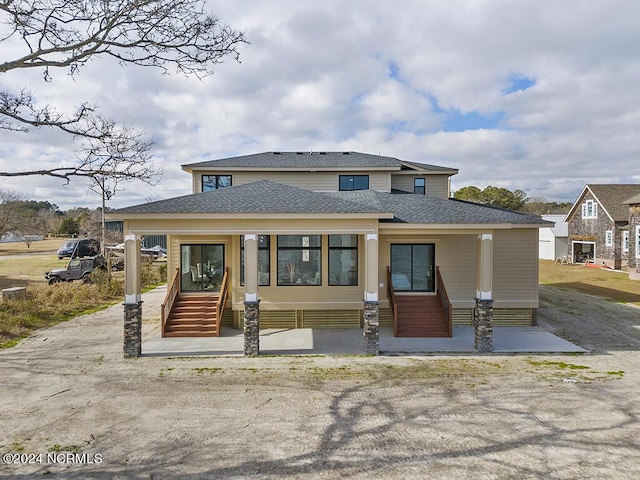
171	35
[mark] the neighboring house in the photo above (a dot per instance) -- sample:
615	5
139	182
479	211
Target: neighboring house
554	239
598	225
298	239
632	238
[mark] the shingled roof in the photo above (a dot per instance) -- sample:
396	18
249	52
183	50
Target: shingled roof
314	161
613	197
263	196
266	196
422	209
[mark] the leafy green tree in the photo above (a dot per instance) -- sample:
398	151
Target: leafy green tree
493	196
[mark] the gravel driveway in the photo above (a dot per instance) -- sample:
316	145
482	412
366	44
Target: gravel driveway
71	407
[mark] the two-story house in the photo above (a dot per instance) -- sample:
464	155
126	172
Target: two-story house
599	225
332	239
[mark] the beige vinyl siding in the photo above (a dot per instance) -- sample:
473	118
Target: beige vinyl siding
317	181
436	185
455	255
515	268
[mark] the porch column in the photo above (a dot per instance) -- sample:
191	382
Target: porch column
371	312
251	302
132	297
483	313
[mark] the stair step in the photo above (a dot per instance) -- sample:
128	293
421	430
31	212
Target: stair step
193	316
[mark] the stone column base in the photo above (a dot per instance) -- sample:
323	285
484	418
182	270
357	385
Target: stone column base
132	329
482	318
252	328
371	329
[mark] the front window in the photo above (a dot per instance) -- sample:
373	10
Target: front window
589	209
343	260
419	186
264	266
299	260
353	182
214	182
609	238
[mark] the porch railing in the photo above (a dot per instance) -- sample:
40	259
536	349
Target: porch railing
393	304
222	299
444	300
169	299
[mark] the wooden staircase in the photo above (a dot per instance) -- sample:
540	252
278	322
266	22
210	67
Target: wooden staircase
421	316
193	316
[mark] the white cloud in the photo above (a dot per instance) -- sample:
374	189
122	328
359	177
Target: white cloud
318	75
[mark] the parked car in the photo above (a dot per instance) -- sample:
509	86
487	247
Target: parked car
79	247
77	269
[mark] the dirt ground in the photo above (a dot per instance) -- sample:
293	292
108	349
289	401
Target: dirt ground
71	407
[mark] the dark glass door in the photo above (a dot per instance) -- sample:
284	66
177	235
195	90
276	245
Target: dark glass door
202	267
413	267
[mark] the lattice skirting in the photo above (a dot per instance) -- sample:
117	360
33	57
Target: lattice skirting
502	317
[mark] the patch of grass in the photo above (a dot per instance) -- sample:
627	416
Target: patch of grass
210	370
47	305
560	365
614	286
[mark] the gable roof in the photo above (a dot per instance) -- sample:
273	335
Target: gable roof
261	197
611	197
315	161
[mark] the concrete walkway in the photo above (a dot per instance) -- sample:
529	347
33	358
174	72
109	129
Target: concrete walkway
334	341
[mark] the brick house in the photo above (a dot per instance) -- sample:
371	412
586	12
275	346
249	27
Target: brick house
599	225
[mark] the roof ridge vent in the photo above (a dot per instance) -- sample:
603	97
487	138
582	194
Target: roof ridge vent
346	153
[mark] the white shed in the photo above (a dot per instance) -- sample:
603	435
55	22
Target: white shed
554	241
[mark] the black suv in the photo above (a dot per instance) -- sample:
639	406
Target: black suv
79	247
78	269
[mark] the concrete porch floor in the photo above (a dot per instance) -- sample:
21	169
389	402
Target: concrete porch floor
307	341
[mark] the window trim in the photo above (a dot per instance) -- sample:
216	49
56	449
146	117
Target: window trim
626	241
608	238
340	248
353	182
417	187
594	209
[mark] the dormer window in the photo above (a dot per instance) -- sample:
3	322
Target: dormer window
589	209
214	182
348	183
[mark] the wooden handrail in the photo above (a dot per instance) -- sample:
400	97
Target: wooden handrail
444	300
391	295
222	300
169	299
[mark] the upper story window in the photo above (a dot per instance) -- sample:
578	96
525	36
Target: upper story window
213	182
589	209
419	185
353	182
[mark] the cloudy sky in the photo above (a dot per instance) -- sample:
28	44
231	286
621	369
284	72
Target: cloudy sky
537	95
